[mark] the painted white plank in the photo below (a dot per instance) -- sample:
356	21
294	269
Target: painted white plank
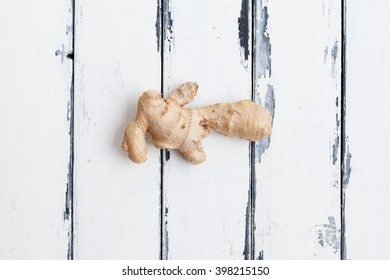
117	212
205	205
367	193
298	176
34	143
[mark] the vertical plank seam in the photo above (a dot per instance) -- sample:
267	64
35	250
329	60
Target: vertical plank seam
245	28
261	69
343	248
161	42
252	144
161	205
69	206
166	43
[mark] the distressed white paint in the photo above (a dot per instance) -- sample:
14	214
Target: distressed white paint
117	212
367	196
34	142
297	186
206	204
117	203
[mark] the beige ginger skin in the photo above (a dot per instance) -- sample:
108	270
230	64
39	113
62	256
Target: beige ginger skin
174	127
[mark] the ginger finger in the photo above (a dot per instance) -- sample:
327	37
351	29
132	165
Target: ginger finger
184	94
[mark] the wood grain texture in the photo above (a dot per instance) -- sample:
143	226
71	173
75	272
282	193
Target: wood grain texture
34	121
367	151
205	206
317	188
117	211
297	76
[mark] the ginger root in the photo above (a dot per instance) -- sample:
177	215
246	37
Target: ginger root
174	127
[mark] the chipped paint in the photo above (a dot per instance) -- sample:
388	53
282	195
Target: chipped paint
168	25
347	168
329	235
243	31
262	67
61	52
167	155
158	24
260	256
326	51
248	228
336	143
335	149
335	50
269	103
334	53
165	252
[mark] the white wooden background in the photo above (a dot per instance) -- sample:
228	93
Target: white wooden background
317	188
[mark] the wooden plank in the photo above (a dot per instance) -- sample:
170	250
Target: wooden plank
205	206
117	211
367	151
297	76
34	120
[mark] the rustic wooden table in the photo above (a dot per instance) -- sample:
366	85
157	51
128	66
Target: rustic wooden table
318	188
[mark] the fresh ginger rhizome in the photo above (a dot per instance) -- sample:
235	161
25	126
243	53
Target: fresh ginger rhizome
174	127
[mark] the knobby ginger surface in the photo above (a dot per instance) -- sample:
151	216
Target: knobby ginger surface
174	127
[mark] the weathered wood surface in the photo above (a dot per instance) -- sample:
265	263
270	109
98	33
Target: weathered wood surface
35	124
205	206
116	201
318	188
367	149
297	170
